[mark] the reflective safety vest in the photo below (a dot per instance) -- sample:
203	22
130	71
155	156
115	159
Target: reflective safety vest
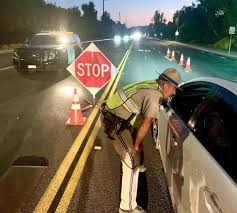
123	97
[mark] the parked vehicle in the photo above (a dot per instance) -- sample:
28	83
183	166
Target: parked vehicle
47	51
198	146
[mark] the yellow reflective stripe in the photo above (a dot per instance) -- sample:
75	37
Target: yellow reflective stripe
129	90
126	107
132	88
114	102
128	102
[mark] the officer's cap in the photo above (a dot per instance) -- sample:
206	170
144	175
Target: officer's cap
171	75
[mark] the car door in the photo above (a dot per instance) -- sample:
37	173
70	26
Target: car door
77	44
174	132
211	172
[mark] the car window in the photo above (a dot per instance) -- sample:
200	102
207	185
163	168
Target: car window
44	40
71	39
216	129
186	101
76	38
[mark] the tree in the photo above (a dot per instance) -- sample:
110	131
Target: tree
158	23
28	17
105	18
90	13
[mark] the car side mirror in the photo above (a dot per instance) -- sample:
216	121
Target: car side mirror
165	103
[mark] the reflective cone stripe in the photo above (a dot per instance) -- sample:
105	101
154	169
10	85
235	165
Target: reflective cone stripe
75	98
188	66
181	61
76	105
173	56
168	53
76	117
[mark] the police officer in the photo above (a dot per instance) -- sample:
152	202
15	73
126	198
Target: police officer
135	106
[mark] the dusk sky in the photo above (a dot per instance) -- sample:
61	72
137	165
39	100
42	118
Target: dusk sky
132	12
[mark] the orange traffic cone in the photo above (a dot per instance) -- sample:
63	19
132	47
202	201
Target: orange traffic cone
173	56
76	117
188	66
181	61
168	53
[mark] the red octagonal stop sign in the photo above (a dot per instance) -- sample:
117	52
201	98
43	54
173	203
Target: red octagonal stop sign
92	69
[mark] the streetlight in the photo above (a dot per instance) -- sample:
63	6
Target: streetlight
177	31
176	34
104	6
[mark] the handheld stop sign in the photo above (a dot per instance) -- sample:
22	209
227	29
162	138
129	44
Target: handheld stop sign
92	69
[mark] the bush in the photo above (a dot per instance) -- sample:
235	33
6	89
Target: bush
224	43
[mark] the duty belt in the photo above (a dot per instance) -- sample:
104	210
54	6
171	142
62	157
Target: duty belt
129	103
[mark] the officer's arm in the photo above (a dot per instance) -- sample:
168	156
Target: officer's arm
141	132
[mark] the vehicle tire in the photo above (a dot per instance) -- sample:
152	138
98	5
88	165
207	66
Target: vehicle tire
63	63
18	69
155	134
16	66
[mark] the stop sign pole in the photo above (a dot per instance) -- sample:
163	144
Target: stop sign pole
92	69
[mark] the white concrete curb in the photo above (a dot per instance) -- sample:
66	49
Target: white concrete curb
5	52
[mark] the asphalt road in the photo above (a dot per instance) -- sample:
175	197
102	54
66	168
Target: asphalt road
34	108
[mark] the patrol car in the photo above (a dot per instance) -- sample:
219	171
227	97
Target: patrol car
198	146
47	51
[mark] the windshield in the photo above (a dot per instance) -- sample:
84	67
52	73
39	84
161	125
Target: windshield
50	39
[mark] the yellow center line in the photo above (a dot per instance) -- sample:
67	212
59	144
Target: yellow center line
72	184
51	191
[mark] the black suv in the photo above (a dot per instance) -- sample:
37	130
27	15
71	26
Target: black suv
47	51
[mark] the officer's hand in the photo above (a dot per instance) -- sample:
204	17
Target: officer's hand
139	147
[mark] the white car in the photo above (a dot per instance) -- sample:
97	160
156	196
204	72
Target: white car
197	141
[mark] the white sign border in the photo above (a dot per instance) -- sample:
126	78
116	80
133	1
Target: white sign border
71	68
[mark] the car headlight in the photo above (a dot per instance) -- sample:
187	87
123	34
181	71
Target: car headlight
49	55
45	55
126	38
137	36
52	54
117	38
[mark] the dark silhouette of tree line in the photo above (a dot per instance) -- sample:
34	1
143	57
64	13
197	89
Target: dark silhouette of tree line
22	18
205	21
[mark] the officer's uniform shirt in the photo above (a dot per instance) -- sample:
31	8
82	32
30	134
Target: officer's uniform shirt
147	101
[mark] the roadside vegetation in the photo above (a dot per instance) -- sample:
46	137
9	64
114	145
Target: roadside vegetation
205	22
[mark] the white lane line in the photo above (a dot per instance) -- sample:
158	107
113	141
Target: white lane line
6	68
108	39
2	52
168	58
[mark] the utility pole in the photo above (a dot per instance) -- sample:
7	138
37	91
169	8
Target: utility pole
119	18
103	7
